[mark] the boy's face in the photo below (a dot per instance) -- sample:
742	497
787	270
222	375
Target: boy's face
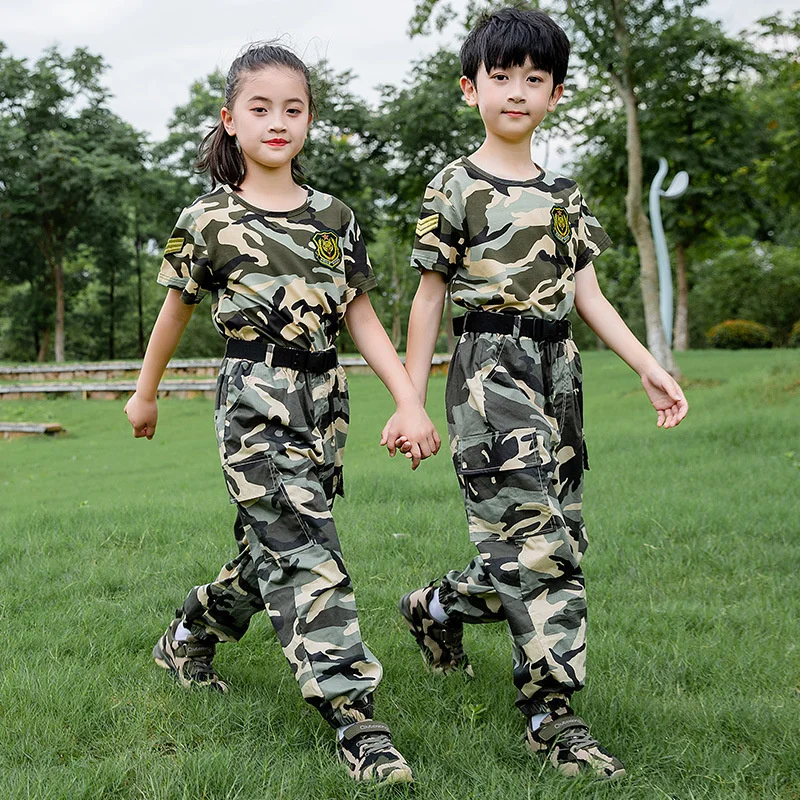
512	102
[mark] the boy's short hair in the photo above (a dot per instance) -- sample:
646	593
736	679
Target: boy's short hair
508	37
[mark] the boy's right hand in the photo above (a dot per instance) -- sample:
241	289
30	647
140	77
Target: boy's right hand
413	427
142	415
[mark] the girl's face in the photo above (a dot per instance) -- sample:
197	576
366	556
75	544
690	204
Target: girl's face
269	117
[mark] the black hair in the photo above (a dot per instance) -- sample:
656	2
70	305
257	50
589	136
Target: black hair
218	152
509	37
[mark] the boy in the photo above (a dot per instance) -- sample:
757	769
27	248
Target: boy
516	244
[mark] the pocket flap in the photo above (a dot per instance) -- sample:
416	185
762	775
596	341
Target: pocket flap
499	452
251	479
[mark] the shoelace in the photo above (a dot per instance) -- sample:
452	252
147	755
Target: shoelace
576	737
373	743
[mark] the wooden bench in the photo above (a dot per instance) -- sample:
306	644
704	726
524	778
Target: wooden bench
36	382
107	370
12	430
109	390
177	368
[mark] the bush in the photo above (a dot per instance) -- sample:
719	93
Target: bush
794	336
739	334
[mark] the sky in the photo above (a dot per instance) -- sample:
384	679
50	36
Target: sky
156	48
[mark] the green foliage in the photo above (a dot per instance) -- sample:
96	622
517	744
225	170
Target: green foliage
743	280
425	125
189	124
739	334
345	155
725	109
775	103
794	336
66	161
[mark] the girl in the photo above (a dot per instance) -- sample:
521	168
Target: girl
284	264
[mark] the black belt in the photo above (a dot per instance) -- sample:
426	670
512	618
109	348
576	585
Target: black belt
494	322
274	355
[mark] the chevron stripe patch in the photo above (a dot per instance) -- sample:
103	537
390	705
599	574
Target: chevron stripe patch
173	245
427	224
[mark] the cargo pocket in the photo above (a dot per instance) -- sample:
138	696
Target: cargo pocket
506	479
250	479
245	449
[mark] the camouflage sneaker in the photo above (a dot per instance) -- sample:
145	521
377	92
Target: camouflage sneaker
564	740
189	661
366	748
442	649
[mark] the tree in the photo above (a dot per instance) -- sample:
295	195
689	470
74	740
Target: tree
425	126
696	115
63	154
775	106
190	123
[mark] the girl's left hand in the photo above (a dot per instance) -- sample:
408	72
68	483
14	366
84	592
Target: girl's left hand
412	432
666	396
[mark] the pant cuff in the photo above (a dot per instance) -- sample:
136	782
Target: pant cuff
543	703
358	711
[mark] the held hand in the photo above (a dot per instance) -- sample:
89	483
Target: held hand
665	395
143	416
412	428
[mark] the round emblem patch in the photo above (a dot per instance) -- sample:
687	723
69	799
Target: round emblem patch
559	224
326	248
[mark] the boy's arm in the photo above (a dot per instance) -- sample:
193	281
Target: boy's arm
142	409
410	420
423	329
595	310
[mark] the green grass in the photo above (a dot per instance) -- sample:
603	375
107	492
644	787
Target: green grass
694	662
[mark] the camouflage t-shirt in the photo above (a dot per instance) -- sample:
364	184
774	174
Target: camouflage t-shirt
285	277
503	245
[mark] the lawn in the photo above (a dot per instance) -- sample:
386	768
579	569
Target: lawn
692	574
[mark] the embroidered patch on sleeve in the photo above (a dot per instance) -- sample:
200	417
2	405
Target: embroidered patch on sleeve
559	224
173	245
427	224
326	248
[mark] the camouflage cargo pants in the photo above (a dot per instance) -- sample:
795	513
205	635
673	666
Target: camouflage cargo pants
281	434
514	409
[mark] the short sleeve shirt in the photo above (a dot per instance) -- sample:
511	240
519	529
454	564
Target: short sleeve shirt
285	277
509	246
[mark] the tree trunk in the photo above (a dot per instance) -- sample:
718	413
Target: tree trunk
58	278
637	219
397	328
681	335
111	328
139	310
44	346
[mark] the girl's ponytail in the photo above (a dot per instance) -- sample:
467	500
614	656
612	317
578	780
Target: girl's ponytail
220	155
219	152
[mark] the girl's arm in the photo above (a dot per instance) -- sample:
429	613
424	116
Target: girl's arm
423	329
595	310
142	408
410	419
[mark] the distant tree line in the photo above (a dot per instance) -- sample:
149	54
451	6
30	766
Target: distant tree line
87	202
